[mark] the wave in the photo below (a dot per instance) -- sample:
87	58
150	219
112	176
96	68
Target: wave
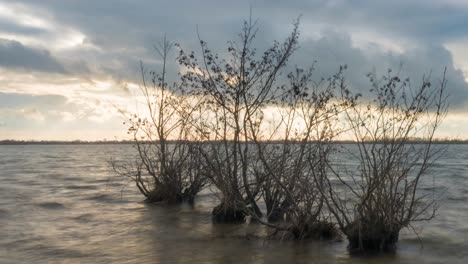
51	205
83	218
4	213
81	187
106	198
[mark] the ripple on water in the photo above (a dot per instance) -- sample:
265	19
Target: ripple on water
455	198
59	176
3	213
70	178
99	181
106	198
78	215
56	251
51	205
81	187
83	218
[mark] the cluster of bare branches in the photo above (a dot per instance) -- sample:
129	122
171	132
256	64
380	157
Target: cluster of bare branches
266	142
295	165
374	201
235	89
167	166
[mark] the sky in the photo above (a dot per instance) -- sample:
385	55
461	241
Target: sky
68	66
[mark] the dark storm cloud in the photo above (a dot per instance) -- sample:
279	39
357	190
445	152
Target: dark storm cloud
422	20
118	23
125	32
134	20
15	55
335	49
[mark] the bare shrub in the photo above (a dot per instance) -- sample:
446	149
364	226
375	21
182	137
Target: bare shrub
374	201
296	165
235	89
167	166
211	127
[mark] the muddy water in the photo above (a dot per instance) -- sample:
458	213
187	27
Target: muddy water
63	204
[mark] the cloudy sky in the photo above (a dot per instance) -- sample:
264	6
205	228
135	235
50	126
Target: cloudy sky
66	66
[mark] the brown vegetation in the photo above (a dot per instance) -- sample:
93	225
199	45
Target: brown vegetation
215	117
382	194
163	171
235	90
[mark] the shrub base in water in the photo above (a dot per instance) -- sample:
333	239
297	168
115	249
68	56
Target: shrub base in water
162	194
315	230
228	214
276	215
371	239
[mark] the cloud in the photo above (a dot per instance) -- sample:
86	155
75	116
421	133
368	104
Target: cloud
15	100
15	55
57	117
114	38
11	27
94	42
334	49
21	109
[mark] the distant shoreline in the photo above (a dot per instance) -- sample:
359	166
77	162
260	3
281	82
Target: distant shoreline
126	142
59	142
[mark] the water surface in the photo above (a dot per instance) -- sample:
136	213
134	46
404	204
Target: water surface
63	204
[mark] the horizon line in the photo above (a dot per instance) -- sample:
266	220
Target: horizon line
130	141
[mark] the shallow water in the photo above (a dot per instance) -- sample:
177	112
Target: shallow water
63	204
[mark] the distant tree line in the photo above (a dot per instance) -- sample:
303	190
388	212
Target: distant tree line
132	142
64	142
